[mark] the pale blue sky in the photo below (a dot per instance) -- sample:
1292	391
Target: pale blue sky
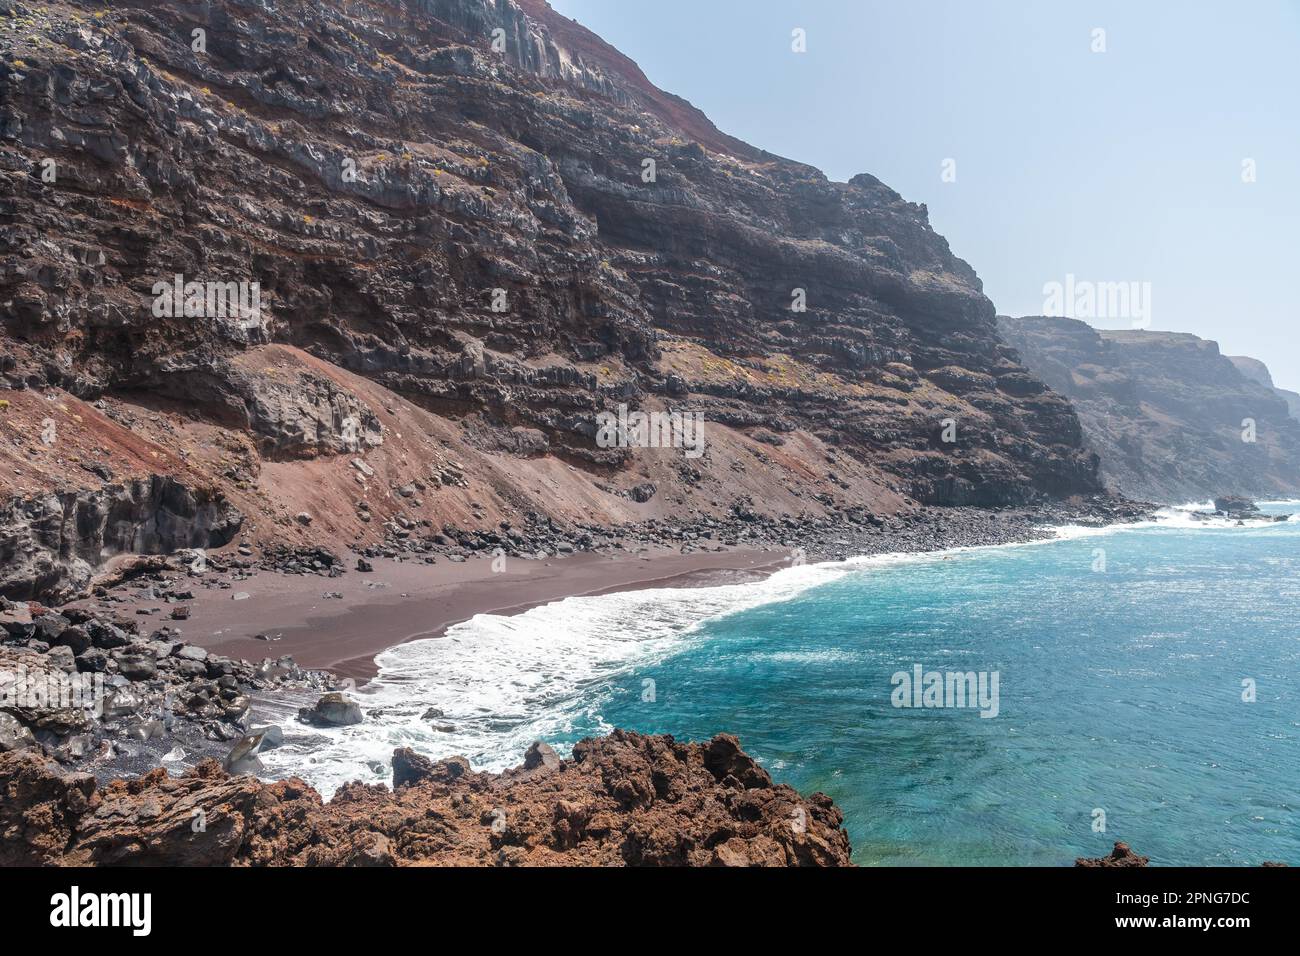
1116	166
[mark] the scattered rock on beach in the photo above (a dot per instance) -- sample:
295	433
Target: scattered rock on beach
332	710
135	697
243	756
13	735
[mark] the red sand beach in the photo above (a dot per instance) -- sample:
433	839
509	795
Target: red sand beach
402	601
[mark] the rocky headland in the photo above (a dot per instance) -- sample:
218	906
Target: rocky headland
1172	419
1257	371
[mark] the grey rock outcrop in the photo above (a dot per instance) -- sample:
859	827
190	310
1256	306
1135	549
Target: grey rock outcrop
50	546
332	710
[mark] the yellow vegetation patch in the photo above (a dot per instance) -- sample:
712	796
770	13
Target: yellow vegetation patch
694	362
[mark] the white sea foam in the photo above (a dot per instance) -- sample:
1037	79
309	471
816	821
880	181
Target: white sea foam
1193	515
502	682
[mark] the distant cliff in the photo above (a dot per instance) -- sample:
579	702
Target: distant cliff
1257	371
1172	418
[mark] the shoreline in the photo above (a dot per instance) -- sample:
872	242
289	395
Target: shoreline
401	602
458	584
476	695
323	630
341	624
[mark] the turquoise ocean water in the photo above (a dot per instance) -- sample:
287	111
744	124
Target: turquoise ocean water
1120	691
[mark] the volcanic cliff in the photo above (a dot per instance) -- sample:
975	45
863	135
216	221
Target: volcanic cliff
462	228
1172	418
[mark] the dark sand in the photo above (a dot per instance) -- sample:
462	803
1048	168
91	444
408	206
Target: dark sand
403	601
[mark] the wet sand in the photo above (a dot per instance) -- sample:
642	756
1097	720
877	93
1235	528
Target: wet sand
403	601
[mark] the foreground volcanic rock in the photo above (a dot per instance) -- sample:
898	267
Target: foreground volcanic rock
472	226
1173	419
624	799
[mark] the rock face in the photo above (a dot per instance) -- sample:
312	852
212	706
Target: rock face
513	240
621	800
49	545
1168	414
1235	505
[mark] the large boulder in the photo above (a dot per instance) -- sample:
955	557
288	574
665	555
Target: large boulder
243	755
49	627
75	638
136	666
107	636
16	619
541	755
92	660
189	652
728	763
332	710
410	768
1235	505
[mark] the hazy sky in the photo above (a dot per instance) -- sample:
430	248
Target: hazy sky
1116	166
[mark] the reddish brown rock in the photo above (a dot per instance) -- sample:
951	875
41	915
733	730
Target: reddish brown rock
621	800
1122	855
